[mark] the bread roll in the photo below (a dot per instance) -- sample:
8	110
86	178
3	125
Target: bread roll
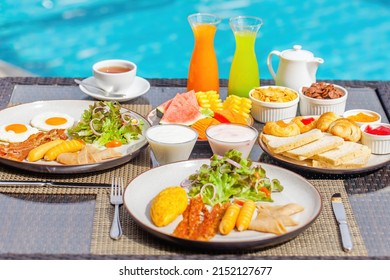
282	129
325	120
346	129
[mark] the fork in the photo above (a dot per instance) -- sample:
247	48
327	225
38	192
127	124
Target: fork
116	199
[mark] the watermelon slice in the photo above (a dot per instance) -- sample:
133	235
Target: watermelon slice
160	110
181	111
189	96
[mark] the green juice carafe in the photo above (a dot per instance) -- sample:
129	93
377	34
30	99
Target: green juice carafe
244	71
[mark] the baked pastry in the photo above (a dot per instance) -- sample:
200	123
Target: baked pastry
346	129
305	123
325	120
281	129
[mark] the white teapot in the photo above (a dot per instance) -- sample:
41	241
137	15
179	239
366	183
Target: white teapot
297	67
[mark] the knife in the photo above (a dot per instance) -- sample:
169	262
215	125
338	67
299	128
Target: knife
339	212
54	184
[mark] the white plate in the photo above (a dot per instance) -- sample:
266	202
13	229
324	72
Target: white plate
139	87
375	162
74	108
140	192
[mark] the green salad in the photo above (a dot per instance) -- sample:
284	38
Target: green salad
232	177
104	122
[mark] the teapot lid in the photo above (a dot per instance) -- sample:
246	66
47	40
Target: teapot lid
297	54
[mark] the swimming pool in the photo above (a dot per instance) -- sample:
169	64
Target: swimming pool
64	38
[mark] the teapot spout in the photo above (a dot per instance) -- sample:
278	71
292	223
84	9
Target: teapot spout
313	66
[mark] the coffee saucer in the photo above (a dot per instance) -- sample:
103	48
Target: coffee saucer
139	87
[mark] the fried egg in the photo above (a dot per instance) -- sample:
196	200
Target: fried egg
16	132
51	120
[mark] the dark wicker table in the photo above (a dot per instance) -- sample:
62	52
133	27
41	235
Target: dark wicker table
368	211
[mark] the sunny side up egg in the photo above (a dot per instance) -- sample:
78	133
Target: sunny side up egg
50	120
16	132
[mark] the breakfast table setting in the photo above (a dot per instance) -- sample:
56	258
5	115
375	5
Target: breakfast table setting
119	166
73	221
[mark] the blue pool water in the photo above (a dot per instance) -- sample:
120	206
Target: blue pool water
65	37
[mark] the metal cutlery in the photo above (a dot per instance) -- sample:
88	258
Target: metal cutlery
116	199
100	90
54	184
339	212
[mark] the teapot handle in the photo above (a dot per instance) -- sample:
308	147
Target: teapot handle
269	63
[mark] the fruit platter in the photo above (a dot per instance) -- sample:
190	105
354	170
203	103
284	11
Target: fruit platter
200	110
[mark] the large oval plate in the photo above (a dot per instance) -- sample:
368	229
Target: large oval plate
155	120
140	192
74	108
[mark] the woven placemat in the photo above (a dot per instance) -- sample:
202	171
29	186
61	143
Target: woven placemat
320	239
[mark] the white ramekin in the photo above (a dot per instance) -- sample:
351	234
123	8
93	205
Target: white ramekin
379	144
357	111
314	106
273	111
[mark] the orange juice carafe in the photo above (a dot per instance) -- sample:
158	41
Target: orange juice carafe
203	70
244	71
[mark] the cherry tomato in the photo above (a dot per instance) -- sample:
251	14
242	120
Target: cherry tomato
113	144
239	201
266	191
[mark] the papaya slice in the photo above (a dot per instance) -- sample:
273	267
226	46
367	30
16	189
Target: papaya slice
201	125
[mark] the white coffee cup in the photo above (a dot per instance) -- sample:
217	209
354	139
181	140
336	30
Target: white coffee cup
114	75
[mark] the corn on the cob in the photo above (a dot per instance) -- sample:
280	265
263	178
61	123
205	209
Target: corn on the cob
241	105
245	216
38	152
229	219
65	147
209	99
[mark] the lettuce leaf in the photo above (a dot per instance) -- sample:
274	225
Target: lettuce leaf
232	177
103	122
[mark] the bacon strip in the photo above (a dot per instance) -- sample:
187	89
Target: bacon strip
19	151
198	222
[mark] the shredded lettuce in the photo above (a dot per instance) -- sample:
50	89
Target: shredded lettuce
232	177
103	122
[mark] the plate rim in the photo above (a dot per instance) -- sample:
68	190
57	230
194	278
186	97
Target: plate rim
69	169
226	245
116	98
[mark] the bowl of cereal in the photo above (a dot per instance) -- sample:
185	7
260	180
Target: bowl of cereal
322	97
273	103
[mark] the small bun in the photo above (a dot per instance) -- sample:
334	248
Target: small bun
325	120
281	129
346	129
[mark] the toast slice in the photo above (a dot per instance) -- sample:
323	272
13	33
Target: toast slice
357	162
279	145
325	143
343	153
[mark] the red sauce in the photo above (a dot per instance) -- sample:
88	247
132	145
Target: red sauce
307	121
380	130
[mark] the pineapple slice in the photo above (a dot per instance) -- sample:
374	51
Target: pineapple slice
241	105
209	100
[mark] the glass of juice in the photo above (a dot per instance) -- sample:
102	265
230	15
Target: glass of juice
203	69
244	71
171	142
227	136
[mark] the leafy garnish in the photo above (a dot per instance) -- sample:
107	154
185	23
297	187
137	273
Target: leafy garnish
232	177
103	122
